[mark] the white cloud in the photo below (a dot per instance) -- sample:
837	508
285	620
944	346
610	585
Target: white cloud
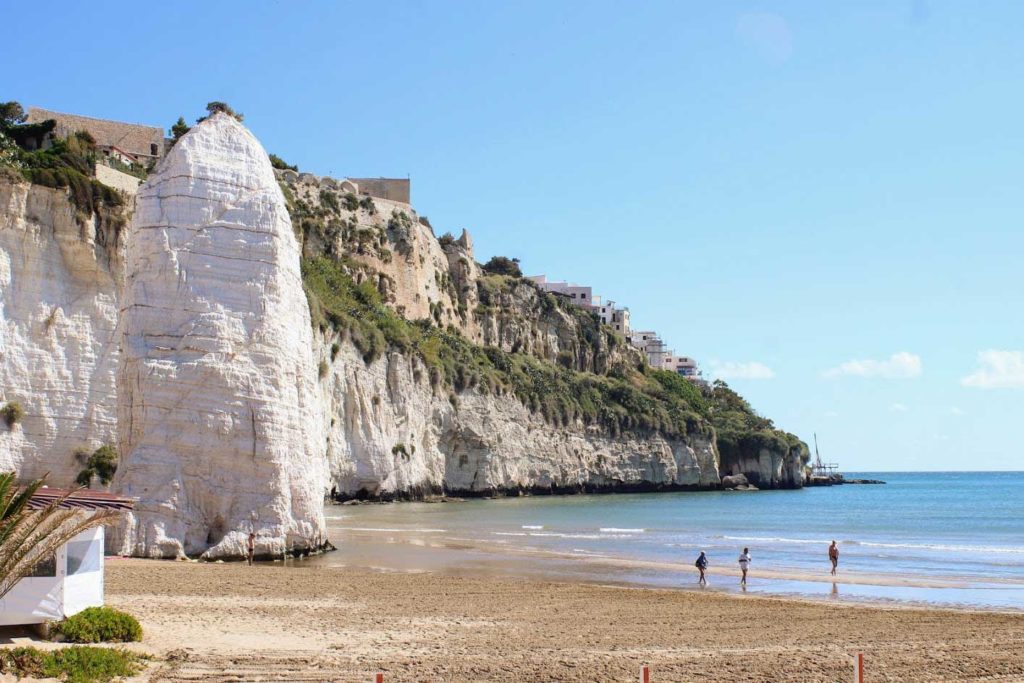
957	412
735	370
998	370
898	408
900	365
831	413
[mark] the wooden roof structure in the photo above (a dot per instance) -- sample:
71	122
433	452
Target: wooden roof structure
79	499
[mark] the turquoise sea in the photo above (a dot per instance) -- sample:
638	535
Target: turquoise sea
941	538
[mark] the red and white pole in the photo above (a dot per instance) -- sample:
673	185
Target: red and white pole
645	674
858	668
379	678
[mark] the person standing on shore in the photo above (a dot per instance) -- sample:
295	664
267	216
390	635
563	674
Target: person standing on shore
744	563
251	548
702	565
833	556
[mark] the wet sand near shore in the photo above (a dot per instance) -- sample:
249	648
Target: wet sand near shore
231	622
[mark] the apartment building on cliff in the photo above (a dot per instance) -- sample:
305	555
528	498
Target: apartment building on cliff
652	345
682	365
580	295
658	355
613	316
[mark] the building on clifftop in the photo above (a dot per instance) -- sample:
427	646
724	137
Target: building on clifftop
392	189
144	144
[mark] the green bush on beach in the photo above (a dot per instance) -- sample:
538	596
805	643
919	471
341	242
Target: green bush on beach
72	664
100	625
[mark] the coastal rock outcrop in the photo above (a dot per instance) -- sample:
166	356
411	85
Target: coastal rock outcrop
778	467
219	423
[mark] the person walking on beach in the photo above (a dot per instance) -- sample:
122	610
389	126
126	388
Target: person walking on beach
702	565
744	562
251	548
833	556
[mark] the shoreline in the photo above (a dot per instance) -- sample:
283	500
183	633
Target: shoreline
225	622
423	551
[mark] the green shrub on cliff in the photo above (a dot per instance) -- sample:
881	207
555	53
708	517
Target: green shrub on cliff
502	265
12	412
101	463
220	107
178	130
280	164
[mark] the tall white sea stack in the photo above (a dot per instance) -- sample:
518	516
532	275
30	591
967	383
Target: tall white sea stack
219	425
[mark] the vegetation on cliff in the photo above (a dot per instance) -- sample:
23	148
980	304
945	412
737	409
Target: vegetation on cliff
502	265
101	463
591	377
741	432
632	400
68	163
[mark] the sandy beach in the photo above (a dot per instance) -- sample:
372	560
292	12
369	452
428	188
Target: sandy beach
231	622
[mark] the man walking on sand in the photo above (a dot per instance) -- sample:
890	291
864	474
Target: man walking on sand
702	565
833	556
251	548
744	562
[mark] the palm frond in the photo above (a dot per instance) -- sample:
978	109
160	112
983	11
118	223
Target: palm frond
28	536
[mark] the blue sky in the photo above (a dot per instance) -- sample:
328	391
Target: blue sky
820	201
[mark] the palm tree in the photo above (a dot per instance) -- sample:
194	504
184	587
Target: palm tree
28	536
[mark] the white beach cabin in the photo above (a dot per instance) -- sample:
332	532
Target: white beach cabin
72	579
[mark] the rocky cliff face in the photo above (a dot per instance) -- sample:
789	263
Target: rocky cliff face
59	300
186	341
218	415
392	435
422	277
768	467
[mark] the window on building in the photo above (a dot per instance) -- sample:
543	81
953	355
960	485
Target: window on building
84	556
152	150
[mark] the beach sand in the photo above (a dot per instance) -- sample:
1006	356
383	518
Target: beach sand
231	622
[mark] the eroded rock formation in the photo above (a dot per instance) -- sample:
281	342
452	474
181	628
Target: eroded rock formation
219	423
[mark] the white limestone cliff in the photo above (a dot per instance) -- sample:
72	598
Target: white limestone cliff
219	424
58	349
187	341
391	436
